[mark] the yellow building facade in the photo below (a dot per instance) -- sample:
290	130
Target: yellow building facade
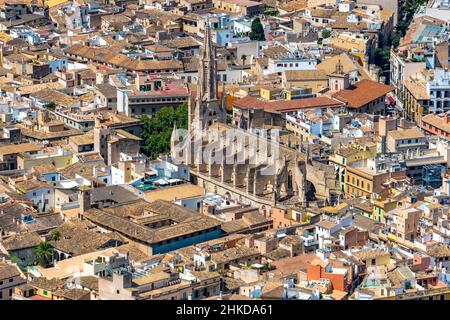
358	183
269	93
430	294
350	154
59	160
380	207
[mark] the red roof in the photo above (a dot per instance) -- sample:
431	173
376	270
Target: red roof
171	88
362	93
286	105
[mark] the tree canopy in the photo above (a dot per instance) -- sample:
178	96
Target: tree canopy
382	54
257	31
44	253
157	131
51	106
55	235
243	58
326	33
15	259
409	8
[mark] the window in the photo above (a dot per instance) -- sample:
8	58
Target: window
118	291
373	262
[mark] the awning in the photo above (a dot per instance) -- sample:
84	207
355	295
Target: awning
391	100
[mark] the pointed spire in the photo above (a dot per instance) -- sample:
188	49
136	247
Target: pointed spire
208	108
174	137
175	129
207	43
208	72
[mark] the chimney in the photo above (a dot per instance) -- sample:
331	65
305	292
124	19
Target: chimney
84	199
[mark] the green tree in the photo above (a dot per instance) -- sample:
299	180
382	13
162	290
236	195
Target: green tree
157	131
55	235
243	58
409	8
15	259
382	54
273	13
44	253
395	39
51	106
382	58
326	33
257	31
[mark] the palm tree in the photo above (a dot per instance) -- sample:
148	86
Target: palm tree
44	253
55	235
243	57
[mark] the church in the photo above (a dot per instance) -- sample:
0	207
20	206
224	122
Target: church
247	166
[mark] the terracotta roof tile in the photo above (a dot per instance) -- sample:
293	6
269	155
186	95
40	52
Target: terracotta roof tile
362	93
285	105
